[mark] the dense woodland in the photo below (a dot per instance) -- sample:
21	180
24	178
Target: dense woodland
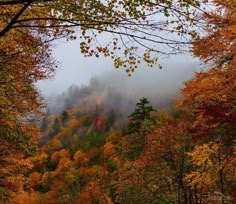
90	152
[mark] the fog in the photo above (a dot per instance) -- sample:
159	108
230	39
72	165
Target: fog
74	68
115	90
111	86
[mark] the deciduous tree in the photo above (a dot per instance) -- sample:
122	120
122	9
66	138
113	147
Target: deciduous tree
218	44
136	29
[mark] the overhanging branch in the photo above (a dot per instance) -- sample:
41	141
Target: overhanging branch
14	19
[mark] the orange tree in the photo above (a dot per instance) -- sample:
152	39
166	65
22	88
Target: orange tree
211	94
19	101
157	176
211	97
218	45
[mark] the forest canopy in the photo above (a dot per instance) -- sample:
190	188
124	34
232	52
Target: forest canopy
88	156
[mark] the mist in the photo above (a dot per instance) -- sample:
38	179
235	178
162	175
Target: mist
89	82
114	90
74	68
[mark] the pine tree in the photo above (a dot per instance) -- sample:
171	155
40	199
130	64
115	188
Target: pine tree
140	124
65	118
56	126
44	124
142	113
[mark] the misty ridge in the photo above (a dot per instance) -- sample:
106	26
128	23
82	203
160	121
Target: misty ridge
115	91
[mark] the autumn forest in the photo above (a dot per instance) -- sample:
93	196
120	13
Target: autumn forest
97	145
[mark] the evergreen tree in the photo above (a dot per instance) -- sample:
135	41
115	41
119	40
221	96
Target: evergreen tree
140	124
142	113
111	118
56	127
44	124
65	118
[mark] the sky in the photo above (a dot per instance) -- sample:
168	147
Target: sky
74	68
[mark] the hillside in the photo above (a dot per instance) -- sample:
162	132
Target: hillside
90	154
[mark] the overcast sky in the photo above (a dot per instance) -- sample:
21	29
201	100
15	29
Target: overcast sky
76	69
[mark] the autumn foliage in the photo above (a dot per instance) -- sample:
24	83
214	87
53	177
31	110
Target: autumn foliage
22	63
88	155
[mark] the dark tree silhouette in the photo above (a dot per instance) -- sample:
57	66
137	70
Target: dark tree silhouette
142	112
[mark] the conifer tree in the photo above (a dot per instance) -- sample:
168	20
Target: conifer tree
56	126
65	118
142	112
44	125
140	124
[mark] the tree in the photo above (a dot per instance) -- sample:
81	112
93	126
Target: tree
44	124
142	112
210	96
213	170
12	169
157	175
56	127
65	118
132	25
218	45
19	98
100	123
27	26
140	123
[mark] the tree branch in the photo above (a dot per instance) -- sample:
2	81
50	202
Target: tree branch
14	2
14	19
